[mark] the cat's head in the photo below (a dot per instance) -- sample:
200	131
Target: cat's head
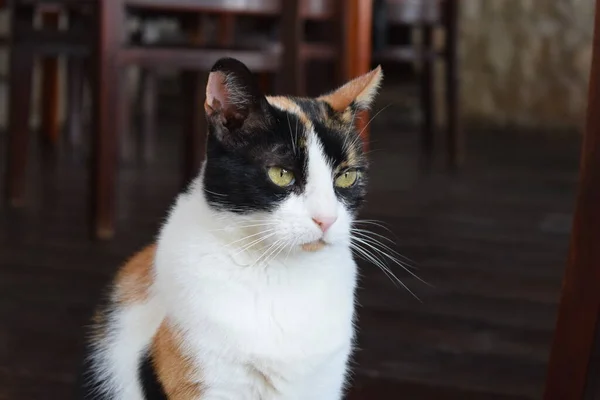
290	170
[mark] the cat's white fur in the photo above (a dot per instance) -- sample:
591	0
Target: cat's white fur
282	311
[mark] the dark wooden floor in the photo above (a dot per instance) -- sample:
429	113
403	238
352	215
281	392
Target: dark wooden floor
491	241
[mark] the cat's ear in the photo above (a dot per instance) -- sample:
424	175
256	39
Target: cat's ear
359	93
233	99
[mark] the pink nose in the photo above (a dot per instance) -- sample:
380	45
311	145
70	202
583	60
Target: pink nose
324	222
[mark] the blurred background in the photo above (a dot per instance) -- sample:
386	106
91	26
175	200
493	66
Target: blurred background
474	147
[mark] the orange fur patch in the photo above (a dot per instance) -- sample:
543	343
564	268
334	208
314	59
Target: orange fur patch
135	277
360	90
175	371
287	104
99	327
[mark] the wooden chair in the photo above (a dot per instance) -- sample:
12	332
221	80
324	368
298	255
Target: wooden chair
574	366
25	44
97	34
287	57
427	16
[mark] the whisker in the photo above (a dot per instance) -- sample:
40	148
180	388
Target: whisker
292	247
281	248
296	133
379	224
291	137
373	259
215	193
372	118
266	252
370	258
249	236
254	242
381	265
243	226
365	234
373	246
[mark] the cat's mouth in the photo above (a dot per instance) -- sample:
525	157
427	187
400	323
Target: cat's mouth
314	246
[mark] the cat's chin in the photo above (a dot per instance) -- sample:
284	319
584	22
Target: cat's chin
314	246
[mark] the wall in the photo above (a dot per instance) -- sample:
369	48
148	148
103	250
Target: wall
526	62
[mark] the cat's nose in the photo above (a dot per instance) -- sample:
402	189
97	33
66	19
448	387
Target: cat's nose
325	222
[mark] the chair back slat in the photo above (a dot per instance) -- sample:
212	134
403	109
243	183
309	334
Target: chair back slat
413	11
313	9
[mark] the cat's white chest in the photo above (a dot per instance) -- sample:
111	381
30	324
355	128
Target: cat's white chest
290	320
298	310
293	325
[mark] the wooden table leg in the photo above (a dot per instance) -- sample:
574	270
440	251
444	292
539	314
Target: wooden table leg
226	35
580	300
358	53
148	99
105	82
194	87
75	85
292	79
50	87
195	124
21	75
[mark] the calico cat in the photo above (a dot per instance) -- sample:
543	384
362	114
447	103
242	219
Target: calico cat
249	291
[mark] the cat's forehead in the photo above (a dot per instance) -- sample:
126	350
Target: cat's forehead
309	120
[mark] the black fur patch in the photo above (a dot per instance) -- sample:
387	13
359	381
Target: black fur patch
235	177
151	386
238	156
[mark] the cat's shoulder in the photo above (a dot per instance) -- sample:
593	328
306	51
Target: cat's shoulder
135	276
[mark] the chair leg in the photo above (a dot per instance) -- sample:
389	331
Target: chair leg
357	52
454	134
148	87
50	89
126	138
195	124
105	88
75	85
21	74
427	98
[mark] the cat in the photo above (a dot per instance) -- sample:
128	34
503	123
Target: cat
249	290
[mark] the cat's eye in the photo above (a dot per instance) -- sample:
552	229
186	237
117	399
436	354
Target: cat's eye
281	176
346	178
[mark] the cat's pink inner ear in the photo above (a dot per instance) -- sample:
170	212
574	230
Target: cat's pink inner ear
216	93
361	91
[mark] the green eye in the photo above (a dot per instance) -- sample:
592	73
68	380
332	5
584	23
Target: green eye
281	176
346	178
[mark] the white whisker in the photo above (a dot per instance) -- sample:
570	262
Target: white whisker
267	252
281	248
214	193
373	245
365	234
233	227
249	236
379	263
248	246
372	118
296	132
291	136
